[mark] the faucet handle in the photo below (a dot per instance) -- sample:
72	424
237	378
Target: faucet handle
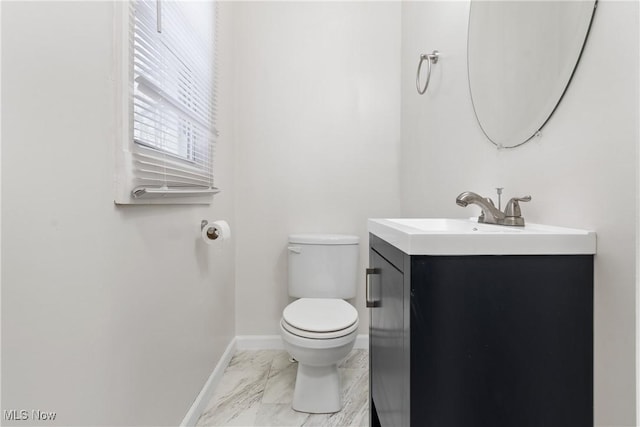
513	206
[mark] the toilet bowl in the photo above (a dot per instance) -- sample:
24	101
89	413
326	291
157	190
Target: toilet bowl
319	333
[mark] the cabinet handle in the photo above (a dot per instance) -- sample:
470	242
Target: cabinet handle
159	17
371	272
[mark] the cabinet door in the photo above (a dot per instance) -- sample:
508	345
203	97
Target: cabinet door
389	382
502	341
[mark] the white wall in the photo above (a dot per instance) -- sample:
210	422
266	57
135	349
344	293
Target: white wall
581	173
317	124
110	315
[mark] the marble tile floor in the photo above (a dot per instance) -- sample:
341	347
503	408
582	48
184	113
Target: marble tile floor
257	389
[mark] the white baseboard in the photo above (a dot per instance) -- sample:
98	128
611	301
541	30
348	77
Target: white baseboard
362	342
241	342
200	404
274	342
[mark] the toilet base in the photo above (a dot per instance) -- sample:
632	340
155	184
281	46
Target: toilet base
317	389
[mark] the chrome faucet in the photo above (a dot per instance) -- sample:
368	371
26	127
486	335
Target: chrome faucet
492	215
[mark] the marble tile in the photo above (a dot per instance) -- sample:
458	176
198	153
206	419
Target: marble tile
280	385
280	415
236	399
355	411
281	360
357	359
252	359
257	390
333	420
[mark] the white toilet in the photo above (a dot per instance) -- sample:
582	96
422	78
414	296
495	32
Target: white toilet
319	329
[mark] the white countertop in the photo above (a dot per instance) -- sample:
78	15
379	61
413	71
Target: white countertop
445	236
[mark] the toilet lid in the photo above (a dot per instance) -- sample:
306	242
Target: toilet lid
320	314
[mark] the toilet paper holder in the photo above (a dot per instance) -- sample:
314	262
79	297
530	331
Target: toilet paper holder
212	232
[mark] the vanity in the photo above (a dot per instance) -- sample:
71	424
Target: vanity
480	325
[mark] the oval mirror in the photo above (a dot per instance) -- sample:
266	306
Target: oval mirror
521	56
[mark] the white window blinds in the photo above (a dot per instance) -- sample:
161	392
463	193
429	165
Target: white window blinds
173	46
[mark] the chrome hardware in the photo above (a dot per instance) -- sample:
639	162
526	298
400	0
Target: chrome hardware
490	214
499	191
512	213
431	58
212	231
370	302
159	16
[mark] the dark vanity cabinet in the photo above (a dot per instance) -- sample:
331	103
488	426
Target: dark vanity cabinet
465	341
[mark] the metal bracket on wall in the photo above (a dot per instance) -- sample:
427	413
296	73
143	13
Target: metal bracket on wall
432	58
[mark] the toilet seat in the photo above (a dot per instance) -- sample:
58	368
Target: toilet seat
320	318
318	335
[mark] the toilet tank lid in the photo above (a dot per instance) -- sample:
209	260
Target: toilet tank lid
324	239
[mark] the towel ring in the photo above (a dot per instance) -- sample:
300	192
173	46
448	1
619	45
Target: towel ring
431	58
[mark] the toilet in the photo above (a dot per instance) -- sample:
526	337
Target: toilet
319	328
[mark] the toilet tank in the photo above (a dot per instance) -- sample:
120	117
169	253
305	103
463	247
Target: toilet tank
323	265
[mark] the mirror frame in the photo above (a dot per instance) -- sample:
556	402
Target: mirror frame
562	94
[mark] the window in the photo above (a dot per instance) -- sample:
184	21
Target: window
167	155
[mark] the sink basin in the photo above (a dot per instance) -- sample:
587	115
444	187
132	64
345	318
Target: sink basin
447	236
